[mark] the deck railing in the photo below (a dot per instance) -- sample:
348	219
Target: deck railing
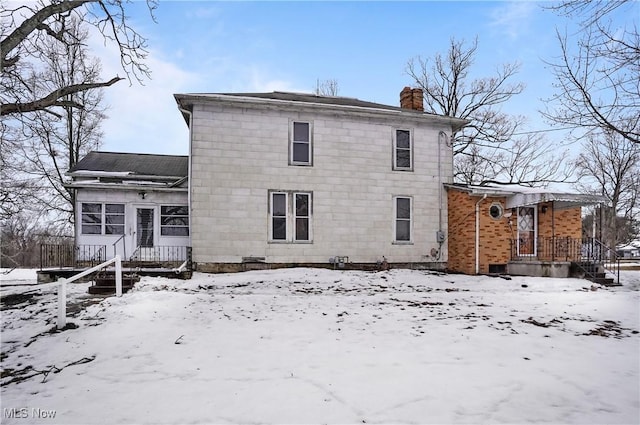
577	250
167	256
60	256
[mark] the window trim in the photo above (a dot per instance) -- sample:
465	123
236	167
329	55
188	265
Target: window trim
394	159
309	162
103	219
271	216
396	219
163	226
291	216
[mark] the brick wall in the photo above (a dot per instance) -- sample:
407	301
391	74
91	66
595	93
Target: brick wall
496	234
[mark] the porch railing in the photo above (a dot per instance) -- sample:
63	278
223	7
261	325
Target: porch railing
60	256
578	250
166	256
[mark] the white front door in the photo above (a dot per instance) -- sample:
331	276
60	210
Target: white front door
527	230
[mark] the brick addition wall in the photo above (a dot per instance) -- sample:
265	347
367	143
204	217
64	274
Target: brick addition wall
496	234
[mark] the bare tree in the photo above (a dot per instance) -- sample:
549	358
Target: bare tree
47	145
327	87
489	149
610	166
597	80
26	28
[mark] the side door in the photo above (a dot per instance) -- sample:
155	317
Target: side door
527	231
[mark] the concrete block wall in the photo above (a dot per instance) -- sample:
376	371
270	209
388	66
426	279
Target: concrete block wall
239	154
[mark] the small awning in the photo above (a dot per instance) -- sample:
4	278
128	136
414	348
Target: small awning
560	200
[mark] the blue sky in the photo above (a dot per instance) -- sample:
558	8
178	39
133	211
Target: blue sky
208	46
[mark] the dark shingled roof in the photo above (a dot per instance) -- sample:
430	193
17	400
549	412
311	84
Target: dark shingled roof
312	98
136	163
305	98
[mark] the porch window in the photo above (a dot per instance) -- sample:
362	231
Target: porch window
174	220
114	219
102	219
402	219
91	219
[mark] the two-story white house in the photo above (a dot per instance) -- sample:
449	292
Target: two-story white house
288	178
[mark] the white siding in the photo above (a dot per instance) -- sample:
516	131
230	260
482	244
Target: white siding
132	201
238	155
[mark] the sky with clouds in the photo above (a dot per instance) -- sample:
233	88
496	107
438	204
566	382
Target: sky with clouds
206	46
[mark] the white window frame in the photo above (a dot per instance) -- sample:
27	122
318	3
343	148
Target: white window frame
396	219
174	226
396	149
103	218
293	142
535	230
291	216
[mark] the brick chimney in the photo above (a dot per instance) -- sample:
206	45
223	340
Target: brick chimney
412	99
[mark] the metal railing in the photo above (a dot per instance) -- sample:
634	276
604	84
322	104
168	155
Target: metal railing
165	256
576	250
60	256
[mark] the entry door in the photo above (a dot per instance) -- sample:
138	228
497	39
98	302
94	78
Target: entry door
144	227
527	231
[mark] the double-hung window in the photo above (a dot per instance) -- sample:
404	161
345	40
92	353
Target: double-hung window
402	150
300	143
290	216
402	219
102	219
174	220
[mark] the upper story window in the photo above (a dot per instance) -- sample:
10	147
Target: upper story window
402	219
402	150
300	143
290	216
102	219
174	220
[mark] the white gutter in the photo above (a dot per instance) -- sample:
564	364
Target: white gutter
478	233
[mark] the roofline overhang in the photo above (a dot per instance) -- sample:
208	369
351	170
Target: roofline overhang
187	100
126	175
515	198
119	186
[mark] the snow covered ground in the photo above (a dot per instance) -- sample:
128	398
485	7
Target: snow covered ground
324	346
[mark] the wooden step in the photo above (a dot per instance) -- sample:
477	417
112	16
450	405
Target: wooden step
107	289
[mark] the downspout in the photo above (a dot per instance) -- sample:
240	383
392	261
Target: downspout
440	237
190	114
478	233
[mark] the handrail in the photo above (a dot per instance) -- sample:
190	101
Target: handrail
124	245
62	287
607	259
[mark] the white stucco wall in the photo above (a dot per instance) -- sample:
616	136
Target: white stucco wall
238	155
132	201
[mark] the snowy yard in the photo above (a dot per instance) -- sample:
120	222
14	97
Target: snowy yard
323	346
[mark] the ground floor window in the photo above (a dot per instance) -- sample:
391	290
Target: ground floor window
290	216
402	219
174	220
102	219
